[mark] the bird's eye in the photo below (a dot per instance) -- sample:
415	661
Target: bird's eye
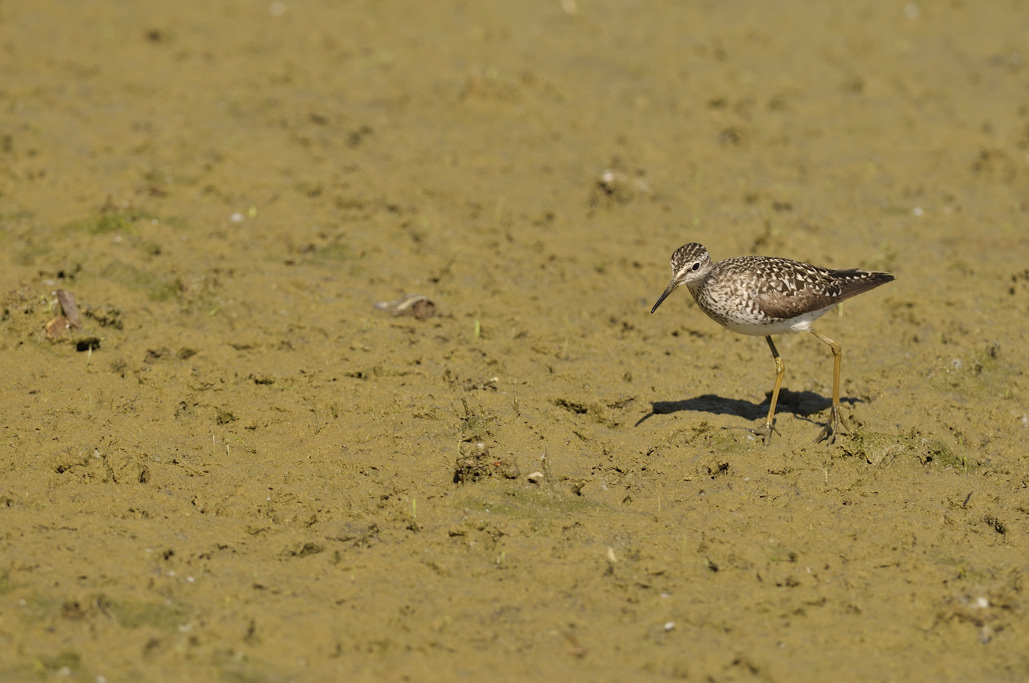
696	266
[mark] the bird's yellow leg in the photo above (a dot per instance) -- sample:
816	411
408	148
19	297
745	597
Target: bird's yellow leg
828	433
780	370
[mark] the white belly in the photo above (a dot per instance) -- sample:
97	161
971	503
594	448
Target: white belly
765	327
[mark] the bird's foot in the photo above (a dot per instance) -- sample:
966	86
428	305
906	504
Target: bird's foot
833	427
765	432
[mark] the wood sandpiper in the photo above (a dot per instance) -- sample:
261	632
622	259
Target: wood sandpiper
762	296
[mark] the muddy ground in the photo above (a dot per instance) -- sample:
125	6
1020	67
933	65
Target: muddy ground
238	468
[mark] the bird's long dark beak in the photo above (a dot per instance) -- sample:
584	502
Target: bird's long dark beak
664	295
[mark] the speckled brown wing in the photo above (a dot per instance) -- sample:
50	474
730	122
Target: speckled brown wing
853	282
790	288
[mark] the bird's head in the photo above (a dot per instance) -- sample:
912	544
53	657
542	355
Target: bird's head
690	262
